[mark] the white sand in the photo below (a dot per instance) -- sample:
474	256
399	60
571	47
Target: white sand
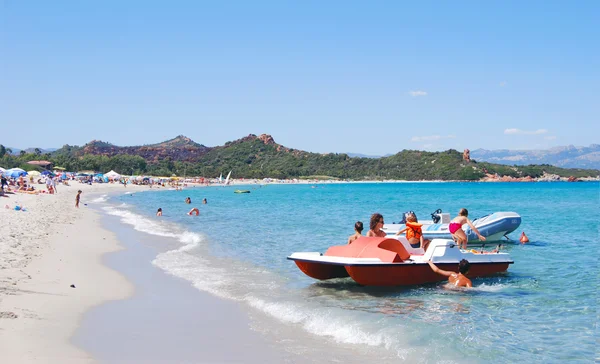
43	251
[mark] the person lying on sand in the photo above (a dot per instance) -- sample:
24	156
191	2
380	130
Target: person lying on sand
455	279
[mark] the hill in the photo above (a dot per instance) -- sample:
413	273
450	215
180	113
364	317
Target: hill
567	157
180	148
260	156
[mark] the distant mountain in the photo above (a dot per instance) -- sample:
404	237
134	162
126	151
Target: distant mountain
565	157
16	151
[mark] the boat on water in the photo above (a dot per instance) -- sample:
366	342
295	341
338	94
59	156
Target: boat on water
393	262
241	191
493	226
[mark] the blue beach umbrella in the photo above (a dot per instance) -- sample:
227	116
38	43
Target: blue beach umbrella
46	173
15	172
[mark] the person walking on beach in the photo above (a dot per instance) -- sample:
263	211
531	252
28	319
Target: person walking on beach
358	228
455	279
375	226
457	232
3	182
77	198
53	181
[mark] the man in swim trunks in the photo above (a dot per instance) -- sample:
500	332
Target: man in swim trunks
457	232
455	279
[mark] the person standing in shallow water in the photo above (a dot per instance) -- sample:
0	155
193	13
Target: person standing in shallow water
358	228
375	226
455	279
457	232
77	198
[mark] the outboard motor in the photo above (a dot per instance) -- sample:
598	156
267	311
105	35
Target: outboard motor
404	215
436	216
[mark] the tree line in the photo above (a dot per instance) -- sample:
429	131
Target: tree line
254	159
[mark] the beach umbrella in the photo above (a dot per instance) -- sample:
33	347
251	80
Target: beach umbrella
33	173
47	173
112	175
15	172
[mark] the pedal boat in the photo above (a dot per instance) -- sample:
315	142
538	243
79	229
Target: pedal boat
393	262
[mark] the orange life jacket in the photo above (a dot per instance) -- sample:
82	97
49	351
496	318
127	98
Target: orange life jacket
414	230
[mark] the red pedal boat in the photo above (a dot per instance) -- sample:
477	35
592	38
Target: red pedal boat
393	262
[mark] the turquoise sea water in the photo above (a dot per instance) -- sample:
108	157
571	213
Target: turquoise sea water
543	310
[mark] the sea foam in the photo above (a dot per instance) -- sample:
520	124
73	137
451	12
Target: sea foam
100	199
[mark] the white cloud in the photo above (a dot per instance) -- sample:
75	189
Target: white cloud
503	83
417	93
431	138
550	137
514	131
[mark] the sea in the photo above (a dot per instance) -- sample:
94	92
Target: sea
543	309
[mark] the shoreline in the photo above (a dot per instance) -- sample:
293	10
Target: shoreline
171	318
166	319
48	248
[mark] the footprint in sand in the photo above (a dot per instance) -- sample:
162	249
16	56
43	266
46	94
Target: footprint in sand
9	315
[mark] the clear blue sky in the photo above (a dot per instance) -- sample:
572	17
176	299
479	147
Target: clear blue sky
370	77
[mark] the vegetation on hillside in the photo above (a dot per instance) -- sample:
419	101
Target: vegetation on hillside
259	157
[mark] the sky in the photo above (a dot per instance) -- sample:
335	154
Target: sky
370	77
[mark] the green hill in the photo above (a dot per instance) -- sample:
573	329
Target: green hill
260	156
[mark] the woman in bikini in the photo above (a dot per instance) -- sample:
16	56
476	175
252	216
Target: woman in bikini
375	226
457	232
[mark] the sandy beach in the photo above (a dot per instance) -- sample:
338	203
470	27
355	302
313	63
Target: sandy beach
53	272
50	273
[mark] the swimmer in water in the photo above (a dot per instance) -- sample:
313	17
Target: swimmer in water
194	211
159	211
455	279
